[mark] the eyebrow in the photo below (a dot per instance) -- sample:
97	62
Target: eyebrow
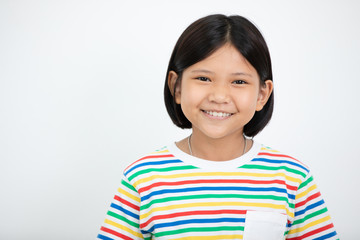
210	72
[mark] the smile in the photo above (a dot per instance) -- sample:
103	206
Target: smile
217	114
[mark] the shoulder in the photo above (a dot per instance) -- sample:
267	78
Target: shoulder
160	157
276	158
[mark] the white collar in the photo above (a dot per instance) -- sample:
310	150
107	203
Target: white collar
215	165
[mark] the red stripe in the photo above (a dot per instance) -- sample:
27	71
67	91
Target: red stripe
122	236
159	184
299	204
129	204
191	213
316	231
149	157
278	155
275	155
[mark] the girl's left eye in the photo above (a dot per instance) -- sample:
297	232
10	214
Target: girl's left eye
205	79
239	82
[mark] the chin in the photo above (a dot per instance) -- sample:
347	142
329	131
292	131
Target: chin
218	134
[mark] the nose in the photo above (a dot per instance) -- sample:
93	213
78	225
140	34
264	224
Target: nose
220	93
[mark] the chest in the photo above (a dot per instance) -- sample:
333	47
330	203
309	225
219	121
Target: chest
214	204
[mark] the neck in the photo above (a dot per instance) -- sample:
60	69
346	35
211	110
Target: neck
217	149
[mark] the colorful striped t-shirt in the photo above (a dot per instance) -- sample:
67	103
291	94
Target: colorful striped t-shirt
263	194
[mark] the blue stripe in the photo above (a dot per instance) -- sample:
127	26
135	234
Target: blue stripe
127	212
288	225
104	237
327	236
280	161
143	232
195	189
291	196
152	164
189	221
314	205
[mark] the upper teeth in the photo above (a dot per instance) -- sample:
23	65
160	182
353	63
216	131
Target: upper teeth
218	114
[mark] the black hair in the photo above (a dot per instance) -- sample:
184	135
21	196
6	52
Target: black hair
200	40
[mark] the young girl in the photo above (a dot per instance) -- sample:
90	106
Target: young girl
218	183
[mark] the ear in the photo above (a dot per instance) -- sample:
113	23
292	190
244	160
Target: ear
175	89
264	94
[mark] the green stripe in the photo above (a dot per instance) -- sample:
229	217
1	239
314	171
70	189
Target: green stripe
274	169
218	196
199	229
314	214
303	184
122	218
129	186
169	169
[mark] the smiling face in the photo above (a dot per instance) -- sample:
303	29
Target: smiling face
220	94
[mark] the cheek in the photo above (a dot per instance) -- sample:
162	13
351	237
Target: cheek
191	100
190	93
246	101
190	97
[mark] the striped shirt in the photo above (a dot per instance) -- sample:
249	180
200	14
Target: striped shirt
263	194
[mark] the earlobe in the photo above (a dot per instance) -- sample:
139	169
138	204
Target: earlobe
264	94
174	88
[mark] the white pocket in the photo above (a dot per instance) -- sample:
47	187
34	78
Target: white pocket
260	225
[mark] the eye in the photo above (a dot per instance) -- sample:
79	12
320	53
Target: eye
204	79
239	82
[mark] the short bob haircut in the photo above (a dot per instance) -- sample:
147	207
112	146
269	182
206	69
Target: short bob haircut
200	40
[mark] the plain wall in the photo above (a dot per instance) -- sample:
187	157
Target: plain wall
81	97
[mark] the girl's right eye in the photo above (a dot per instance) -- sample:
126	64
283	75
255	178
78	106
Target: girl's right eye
205	79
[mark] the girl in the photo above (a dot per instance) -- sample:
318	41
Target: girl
218	183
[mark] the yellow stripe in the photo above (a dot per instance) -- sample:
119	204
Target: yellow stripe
160	151
129	195
297	230
269	150
210	237
313	187
216	204
126	229
212	174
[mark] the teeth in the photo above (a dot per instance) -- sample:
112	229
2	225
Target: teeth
218	114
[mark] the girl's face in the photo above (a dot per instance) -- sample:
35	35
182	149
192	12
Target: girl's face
220	94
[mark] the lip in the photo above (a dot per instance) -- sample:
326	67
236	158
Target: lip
217	114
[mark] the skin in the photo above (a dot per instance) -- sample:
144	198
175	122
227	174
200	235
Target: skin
226	83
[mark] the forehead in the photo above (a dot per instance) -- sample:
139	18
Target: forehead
225	59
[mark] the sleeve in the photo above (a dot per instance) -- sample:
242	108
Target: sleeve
122	218
312	220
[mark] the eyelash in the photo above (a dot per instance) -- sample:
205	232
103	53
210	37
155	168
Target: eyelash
205	79
237	82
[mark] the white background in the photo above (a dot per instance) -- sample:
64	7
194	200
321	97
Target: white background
81	96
